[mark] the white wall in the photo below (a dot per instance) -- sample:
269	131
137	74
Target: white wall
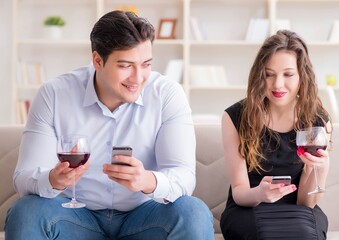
5	61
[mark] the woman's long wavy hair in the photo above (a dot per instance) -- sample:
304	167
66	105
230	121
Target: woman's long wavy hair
308	107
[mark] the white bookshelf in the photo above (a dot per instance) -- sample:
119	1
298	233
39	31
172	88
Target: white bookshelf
223	24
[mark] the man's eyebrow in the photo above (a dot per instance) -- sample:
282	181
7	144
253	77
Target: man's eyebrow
130	62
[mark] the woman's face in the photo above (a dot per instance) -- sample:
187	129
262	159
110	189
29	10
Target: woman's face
282	79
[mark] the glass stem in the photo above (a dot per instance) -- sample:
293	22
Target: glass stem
73	190
315	169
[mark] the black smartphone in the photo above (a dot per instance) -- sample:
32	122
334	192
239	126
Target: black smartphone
121	150
282	179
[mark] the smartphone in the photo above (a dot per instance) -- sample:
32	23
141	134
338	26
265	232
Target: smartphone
282	179
121	150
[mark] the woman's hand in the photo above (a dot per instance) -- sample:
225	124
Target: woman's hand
321	161
271	193
307	180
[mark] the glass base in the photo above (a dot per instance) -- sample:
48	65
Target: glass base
317	190
73	204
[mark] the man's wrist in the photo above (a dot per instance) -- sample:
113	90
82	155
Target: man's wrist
54	186
152	183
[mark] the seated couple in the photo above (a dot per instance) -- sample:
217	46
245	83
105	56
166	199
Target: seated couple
119	101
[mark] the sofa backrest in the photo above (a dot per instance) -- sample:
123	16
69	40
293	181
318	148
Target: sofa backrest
329	203
213	184
10	137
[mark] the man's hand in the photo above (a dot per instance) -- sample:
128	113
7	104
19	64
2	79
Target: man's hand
61	176
133	177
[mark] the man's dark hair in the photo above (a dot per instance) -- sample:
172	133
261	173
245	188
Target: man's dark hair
118	30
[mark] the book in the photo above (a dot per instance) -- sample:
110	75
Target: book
30	73
23	106
174	69
258	30
207	75
334	32
196	31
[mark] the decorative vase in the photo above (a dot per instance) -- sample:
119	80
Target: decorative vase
54	32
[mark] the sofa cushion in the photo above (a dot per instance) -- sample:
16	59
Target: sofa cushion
329	201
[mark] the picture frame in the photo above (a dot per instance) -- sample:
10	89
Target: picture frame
166	28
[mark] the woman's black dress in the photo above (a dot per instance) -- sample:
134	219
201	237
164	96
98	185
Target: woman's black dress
280	220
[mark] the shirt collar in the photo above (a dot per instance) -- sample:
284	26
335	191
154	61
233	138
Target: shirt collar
90	93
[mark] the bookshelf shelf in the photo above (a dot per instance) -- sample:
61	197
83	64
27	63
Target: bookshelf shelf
23	87
54	42
219	88
169	42
224	43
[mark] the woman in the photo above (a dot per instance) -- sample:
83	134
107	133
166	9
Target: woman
259	142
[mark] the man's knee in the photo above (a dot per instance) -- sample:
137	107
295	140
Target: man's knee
193	207
196	216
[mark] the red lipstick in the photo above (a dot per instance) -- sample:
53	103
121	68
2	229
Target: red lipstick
278	94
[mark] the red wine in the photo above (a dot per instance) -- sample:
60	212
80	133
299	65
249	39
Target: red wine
74	159
312	149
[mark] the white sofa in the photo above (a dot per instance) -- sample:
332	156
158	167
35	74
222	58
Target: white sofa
212	183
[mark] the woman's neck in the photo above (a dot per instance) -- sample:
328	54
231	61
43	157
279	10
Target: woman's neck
281	119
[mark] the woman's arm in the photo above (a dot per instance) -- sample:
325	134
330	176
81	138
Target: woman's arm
236	166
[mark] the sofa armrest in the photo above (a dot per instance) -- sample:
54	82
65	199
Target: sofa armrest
9	150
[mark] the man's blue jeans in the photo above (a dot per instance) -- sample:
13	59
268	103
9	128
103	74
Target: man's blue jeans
33	217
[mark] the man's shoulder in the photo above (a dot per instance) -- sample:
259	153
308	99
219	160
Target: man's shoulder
74	78
159	80
161	87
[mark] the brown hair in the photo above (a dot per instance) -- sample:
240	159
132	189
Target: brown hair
118	30
308	107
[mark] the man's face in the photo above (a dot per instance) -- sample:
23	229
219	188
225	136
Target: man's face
124	74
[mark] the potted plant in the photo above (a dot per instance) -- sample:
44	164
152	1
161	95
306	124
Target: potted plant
54	24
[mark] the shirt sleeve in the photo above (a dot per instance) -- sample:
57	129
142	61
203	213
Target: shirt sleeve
175	148
31	175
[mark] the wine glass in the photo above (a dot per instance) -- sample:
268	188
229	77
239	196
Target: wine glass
310	140
75	150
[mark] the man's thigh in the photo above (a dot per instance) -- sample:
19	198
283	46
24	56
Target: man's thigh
43	218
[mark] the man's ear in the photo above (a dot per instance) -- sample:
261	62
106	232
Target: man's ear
97	60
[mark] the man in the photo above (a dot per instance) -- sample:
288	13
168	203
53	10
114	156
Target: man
116	101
